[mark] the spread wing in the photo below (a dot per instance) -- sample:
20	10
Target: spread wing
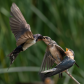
48	60
18	25
23	38
61	51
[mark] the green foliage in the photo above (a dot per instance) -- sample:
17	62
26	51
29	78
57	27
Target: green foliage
62	20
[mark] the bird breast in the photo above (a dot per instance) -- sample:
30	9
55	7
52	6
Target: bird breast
55	53
28	44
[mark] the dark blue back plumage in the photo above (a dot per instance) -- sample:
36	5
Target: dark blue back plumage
64	65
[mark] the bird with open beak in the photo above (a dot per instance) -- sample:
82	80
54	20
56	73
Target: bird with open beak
22	32
55	54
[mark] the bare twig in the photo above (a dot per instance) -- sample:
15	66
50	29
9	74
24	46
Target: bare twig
71	77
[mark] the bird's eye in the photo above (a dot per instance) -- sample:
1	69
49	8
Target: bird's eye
70	49
43	37
46	37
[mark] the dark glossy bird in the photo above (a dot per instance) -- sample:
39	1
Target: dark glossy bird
22	32
55	54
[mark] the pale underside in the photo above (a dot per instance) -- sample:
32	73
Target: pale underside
28	43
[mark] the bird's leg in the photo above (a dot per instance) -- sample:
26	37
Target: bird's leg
71	76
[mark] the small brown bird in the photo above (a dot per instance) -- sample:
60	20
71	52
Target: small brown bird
55	54
22	32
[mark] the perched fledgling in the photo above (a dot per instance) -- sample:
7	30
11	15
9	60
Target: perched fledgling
55	54
22	32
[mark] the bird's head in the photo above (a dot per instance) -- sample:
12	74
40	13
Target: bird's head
38	37
69	53
47	40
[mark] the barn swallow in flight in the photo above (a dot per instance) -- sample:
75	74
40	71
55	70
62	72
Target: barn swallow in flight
55	54
22	32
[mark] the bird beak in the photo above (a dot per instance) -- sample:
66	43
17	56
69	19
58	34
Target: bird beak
39	38
67	49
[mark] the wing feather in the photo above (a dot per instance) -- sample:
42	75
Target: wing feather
61	51
26	36
47	61
18	23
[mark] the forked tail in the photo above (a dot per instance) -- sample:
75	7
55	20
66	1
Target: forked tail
14	54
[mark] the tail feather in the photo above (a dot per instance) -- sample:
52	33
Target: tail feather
76	65
12	56
42	76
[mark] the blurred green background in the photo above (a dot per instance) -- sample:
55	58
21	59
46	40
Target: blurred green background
62	20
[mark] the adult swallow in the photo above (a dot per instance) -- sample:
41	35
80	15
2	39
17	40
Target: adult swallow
55	54
22	32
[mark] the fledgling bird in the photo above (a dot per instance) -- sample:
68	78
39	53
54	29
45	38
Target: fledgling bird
22	32
55	54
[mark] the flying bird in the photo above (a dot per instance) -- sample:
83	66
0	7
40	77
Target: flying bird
55	54
22	32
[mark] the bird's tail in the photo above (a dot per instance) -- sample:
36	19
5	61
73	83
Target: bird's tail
14	54
47	73
42	76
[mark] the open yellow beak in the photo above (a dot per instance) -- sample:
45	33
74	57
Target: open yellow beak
67	49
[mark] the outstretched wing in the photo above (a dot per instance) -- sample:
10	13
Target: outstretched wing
48	60
19	25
